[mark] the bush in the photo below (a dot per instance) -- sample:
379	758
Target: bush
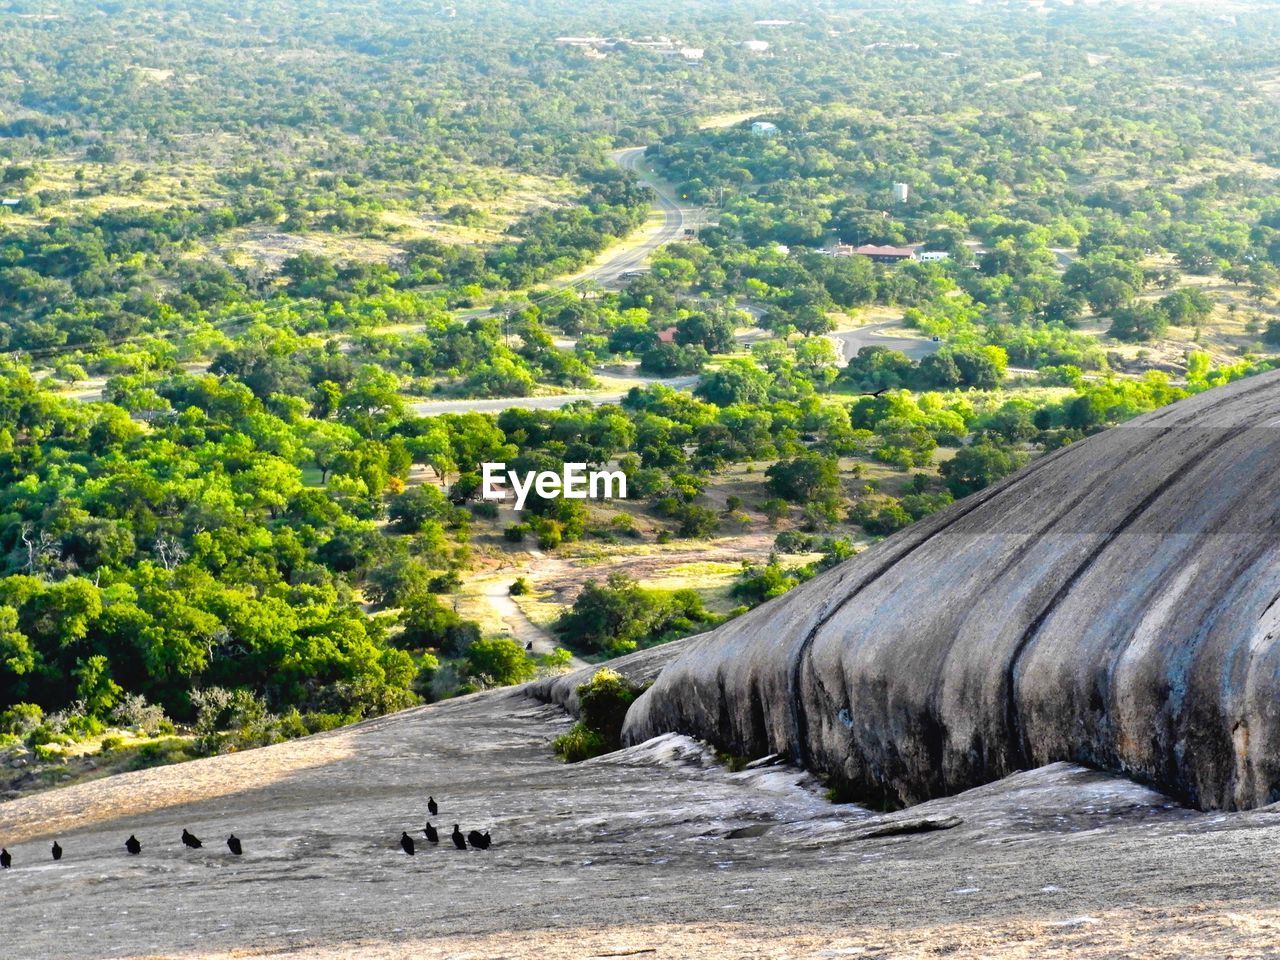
499	661
429	623
804	478
550	533
158	753
978	466
519	588
619	615
21	719
793	541
579	744
48	751
557	661
880	517
516	532
485	509
134	713
758	584
603	702
446	582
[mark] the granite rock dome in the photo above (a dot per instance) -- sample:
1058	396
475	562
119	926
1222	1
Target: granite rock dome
1113	604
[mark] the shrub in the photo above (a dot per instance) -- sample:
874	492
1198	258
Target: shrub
550	533
579	744
619	615
158	753
429	623
804	478
793	541
485	509
446	582
499	661
134	713
47	751
519	588
758	584
21	719
603	702
557	661
881	517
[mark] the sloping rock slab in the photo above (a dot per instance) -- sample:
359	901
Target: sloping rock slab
1114	604
640	668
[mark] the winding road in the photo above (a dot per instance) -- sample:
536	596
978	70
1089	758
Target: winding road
632	254
627	256
849	342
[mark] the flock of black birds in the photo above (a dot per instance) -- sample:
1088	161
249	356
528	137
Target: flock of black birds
133	846
475	839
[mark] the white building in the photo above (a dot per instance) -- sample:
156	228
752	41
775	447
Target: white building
763	128
900	192
930	256
755	46
692	53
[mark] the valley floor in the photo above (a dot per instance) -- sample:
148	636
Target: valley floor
656	851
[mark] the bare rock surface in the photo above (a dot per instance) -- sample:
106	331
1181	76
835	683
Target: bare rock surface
656	850
1114	605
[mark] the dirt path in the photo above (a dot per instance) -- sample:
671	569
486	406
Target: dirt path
497	593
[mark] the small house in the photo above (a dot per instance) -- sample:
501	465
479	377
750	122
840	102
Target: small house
884	254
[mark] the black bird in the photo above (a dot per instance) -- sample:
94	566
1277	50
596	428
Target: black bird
477	840
191	840
433	806
406	843
432	836
57	851
132	845
529	645
6	858
459	840
233	844
877	393
487	841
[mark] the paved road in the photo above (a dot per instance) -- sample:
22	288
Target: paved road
498	404
849	342
632	256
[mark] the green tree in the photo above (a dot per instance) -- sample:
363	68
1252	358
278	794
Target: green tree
499	661
810	476
735	382
978	466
